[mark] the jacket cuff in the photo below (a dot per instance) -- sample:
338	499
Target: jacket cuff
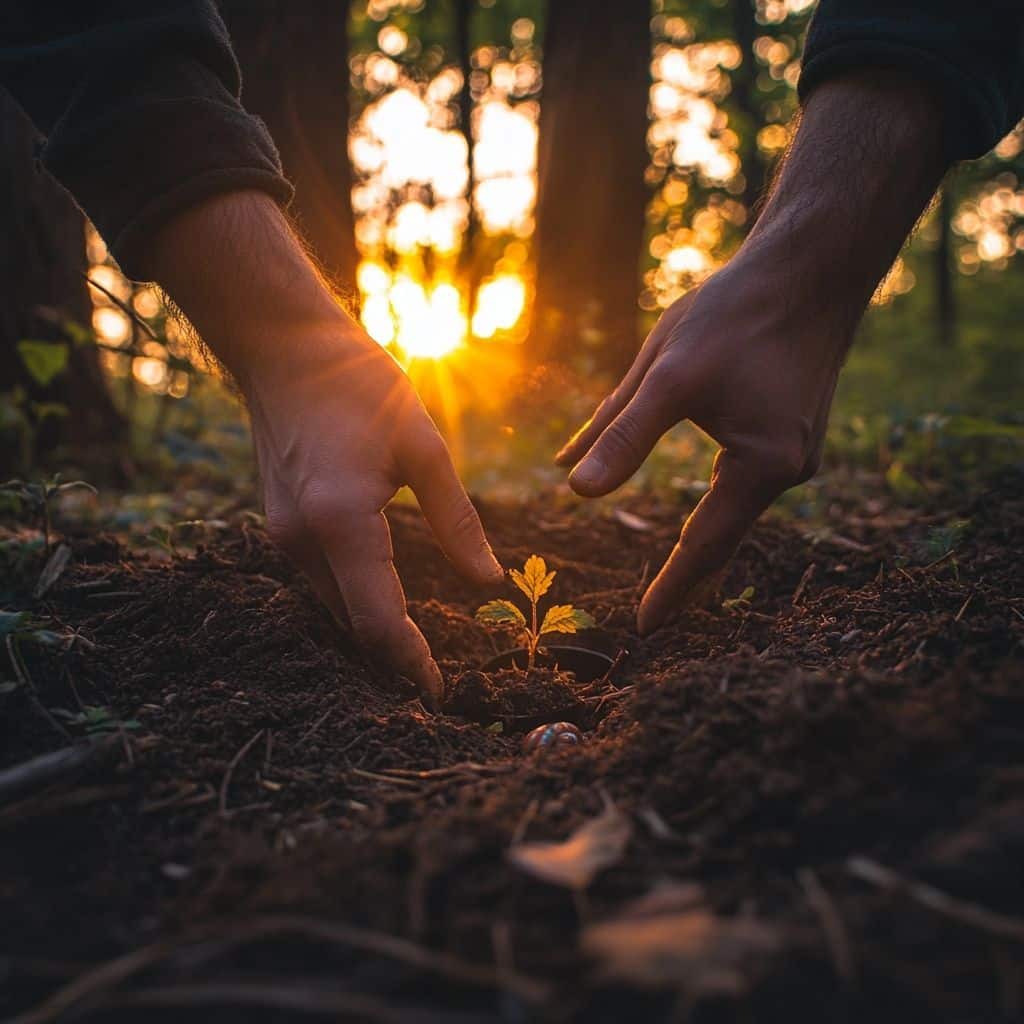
149	161
971	121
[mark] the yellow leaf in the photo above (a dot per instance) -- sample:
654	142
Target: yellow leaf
563	618
500	613
535	580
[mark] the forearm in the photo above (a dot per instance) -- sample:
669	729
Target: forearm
865	161
236	269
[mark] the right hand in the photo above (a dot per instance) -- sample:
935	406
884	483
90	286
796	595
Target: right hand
336	436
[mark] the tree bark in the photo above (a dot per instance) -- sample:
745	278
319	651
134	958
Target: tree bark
42	261
294	61
592	159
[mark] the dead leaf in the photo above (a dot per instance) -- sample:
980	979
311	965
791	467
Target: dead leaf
576	862
55	565
632	522
664	941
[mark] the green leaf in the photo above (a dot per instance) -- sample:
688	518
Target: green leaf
535	580
563	618
741	601
44	360
500	613
496	727
12	622
43	411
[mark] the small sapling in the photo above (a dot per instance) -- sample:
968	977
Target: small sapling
534	581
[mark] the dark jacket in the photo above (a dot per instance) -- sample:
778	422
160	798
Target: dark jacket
139	102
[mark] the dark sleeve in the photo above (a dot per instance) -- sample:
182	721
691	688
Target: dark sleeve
138	101
971	53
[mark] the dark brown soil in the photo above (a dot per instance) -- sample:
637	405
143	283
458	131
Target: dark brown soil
869	703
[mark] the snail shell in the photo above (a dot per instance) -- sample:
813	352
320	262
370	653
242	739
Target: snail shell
555	734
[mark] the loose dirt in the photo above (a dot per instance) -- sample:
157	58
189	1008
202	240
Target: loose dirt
776	763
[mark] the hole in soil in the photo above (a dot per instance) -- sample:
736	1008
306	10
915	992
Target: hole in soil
584	663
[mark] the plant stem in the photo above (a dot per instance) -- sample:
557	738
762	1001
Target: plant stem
534	638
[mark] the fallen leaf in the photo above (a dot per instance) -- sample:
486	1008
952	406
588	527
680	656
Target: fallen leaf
632	522
576	862
55	565
665	941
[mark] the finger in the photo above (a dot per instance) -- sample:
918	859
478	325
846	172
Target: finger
579	444
359	553
738	494
624	444
429	470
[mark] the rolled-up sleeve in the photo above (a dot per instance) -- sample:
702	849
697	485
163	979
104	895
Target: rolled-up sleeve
138	106
972	55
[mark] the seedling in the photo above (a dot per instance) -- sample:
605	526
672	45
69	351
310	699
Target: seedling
37	497
534	581
741	602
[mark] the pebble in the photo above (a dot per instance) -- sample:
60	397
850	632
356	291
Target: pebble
556	734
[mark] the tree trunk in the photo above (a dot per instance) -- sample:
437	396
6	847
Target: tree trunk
593	154
744	94
469	258
294	61
42	260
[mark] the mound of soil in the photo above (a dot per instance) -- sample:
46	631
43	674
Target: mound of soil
815	797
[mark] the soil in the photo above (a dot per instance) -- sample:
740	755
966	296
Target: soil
288	832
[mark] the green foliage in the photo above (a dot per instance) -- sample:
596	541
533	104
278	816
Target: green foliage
94	720
44	360
741	602
534	580
37	497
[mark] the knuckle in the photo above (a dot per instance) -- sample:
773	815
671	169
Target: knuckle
284	531
781	468
369	630
465	522
623	440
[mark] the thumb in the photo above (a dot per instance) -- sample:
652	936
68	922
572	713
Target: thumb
624	444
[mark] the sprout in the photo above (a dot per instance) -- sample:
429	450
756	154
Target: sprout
534	581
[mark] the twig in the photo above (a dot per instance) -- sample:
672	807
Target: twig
21	672
831	924
972	914
938	561
391	780
47	769
316	725
226	781
963	608
497	768
279	994
804	580
94	984
123	306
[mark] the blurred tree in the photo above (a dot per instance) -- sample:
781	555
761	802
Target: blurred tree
52	391
294	61
592	196
945	268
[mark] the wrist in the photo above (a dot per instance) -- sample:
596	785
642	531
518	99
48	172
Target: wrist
865	162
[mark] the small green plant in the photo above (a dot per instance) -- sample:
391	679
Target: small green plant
741	602
534	581
38	496
95	721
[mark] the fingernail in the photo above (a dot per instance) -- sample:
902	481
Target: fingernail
590	473
489	566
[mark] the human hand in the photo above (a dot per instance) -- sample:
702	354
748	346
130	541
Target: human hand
753	356
737	364
337	425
